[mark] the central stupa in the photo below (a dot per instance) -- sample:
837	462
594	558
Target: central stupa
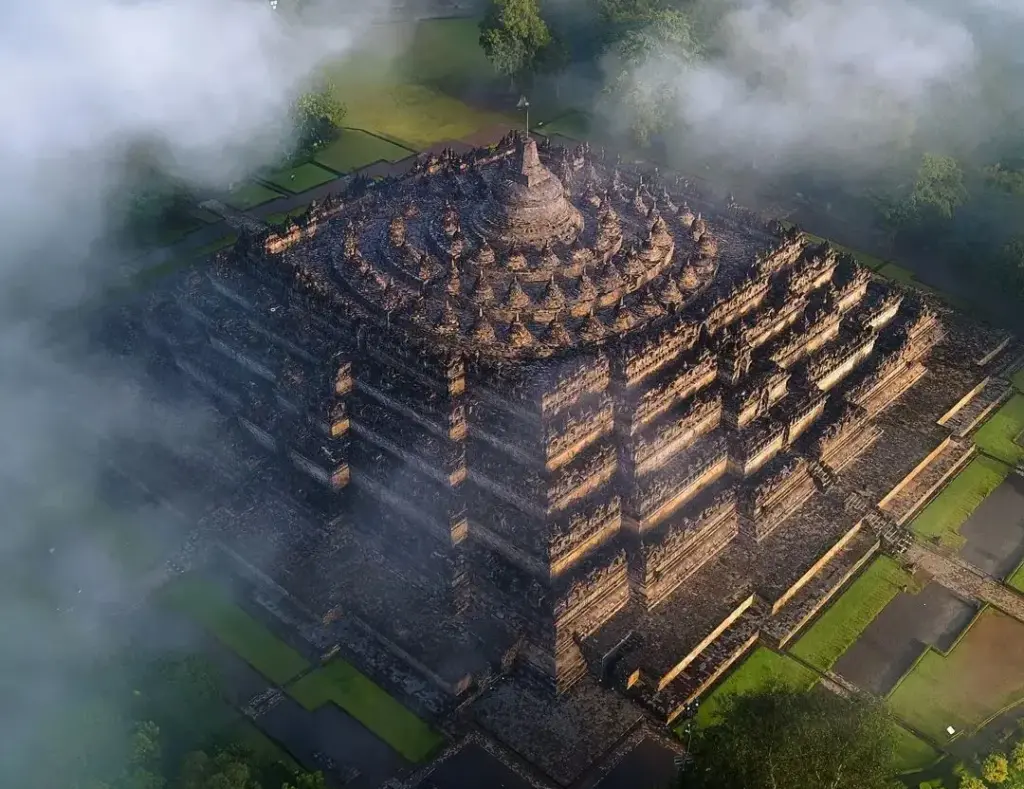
528	205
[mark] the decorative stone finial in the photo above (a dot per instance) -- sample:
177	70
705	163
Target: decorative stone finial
592	329
515	298
482	293
553	298
482	330
557	335
624	318
518	335
585	288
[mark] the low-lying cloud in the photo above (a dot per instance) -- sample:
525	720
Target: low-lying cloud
804	80
207	84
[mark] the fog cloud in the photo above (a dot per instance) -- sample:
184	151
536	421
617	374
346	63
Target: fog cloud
207	85
809	79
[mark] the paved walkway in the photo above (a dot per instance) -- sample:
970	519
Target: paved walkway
966	580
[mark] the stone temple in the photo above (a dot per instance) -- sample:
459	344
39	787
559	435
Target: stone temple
565	417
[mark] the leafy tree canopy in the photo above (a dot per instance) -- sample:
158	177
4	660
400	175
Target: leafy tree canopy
665	41
787	739
318	115
513	34
939	186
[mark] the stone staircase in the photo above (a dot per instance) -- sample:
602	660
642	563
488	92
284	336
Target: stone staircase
994	392
824	477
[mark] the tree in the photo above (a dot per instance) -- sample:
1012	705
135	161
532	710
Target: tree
939	186
223	770
1017	753
513	34
995	769
653	48
971	782
307	781
318	115
788	739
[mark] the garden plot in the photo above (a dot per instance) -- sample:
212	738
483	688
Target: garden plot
942	519
761	668
896	637
851	613
355	149
995	531
999	436
981	675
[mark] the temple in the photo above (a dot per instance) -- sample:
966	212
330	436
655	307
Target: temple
558	414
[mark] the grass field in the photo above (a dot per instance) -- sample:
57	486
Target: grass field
946	513
246	734
412	100
913	753
282	216
355	149
249	196
997	437
759	669
573	124
1018	380
849	615
983	674
1016	579
210	606
340	683
299	179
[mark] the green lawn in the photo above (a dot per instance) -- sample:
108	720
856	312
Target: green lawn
574	125
1016	579
913	753
445	53
355	149
849	615
246	734
997	437
340	683
299	179
209	605
983	674
946	513
282	216
250	195
760	668
1018	380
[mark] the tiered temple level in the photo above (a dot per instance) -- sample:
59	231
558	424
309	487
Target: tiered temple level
570	392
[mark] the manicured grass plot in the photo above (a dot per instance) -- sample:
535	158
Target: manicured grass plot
843	622
1018	380
299	179
209	605
981	675
1016	579
946	513
245	734
760	669
355	149
911	752
574	125
250	195
282	216
339	682
998	436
